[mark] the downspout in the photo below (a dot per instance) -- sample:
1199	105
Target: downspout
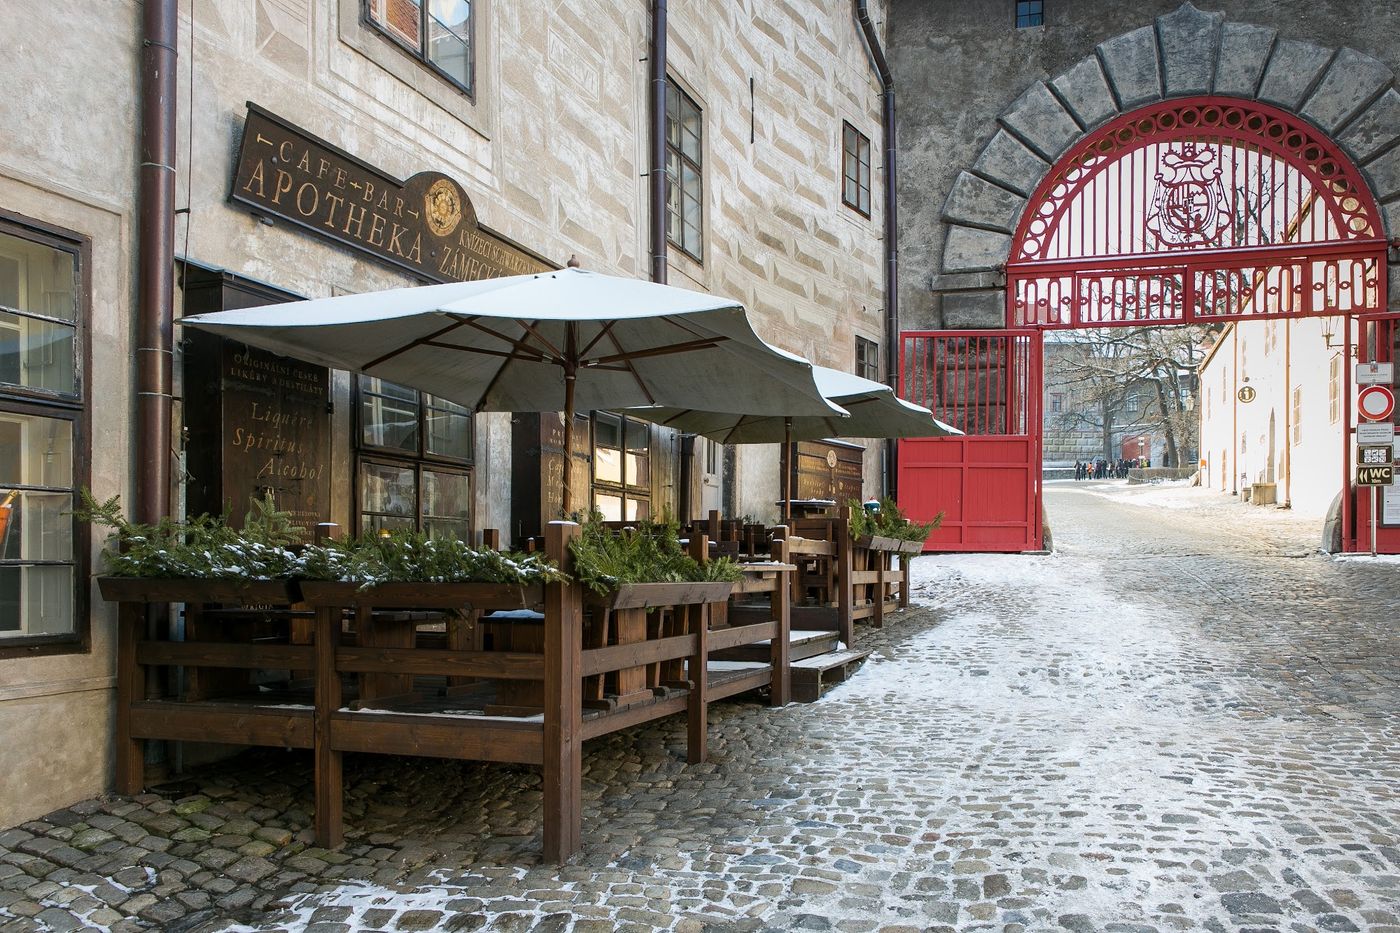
155	309
882	70
656	168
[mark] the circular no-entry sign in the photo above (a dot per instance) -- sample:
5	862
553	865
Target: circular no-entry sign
1375	403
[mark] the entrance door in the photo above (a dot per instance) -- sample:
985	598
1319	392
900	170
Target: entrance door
710	462
985	483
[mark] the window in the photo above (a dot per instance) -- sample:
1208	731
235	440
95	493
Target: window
1334	389
1297	414
438	32
1133	403
416	451
855	169
1030	13
41	431
867	359
621	467
1057	402
684	204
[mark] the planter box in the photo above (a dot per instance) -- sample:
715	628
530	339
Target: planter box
185	590
881	543
650	595
488	596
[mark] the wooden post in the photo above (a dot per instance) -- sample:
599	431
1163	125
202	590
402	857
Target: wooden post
131	687
563	702
780	692
904	565
696	747
491	538
329	780
845	591
881	560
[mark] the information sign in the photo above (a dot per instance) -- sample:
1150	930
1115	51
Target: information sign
1371	374
1375	432
1375	475
1390	505
1373	456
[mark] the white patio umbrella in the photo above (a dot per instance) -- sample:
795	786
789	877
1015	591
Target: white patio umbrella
875	411
564	340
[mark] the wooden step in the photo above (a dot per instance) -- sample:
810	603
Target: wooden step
811	677
800	645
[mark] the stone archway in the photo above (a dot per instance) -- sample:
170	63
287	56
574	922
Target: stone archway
1346	94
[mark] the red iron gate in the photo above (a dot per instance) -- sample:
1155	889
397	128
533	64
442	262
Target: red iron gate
986	483
1377	338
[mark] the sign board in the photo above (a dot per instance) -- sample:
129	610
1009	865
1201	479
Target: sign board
1373	456
1246	394
1375	475
426	224
1371	374
1375	432
1375	403
1390	505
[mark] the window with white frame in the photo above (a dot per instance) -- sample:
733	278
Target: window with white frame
41	430
1297	414
1334	389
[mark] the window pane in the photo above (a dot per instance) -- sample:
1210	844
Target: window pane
446	504
610	506
399	17
388	414
37	354
35	601
638	469
607	430
35	526
35	451
449	429
37	278
388	491
449	39
690	133
607	465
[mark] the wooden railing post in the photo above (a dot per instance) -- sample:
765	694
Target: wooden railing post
491	538
781	601
131	687
696	742
563	702
845	590
881	590
329	778
905	564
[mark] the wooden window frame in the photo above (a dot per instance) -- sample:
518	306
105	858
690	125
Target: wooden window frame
640	491
45	403
867	359
864	172
683	99
419	460
420	52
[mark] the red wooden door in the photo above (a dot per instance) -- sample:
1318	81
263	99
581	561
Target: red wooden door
986	482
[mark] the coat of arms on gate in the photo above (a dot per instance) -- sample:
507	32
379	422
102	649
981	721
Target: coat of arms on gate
1189	206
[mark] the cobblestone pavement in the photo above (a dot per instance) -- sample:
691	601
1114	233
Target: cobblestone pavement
1183	719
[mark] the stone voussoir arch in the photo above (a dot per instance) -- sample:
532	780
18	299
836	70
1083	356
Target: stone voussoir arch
1346	94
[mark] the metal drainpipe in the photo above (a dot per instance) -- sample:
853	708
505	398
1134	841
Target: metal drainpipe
156	259
656	169
882	70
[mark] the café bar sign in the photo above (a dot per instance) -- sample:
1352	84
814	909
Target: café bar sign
426	225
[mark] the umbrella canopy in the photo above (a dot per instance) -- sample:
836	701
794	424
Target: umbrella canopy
552	341
875	411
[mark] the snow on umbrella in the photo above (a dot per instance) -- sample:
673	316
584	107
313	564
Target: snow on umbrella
874	409
565	340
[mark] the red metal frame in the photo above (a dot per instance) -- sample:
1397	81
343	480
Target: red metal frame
1374	343
987	482
1115	224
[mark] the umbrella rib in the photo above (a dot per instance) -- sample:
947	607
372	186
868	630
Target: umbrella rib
606	331
530	357
409	346
667	350
651	399
531	331
515	345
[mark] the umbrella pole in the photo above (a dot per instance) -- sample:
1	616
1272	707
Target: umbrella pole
570	378
787	470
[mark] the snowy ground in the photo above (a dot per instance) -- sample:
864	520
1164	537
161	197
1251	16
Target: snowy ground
1185	718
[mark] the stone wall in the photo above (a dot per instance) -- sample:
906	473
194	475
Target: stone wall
986	108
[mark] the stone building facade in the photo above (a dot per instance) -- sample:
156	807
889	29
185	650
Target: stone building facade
542	127
986	108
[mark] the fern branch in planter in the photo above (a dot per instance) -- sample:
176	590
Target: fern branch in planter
889	522
415	557
649	552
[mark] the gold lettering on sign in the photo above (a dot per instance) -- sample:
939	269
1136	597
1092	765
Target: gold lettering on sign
426	224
